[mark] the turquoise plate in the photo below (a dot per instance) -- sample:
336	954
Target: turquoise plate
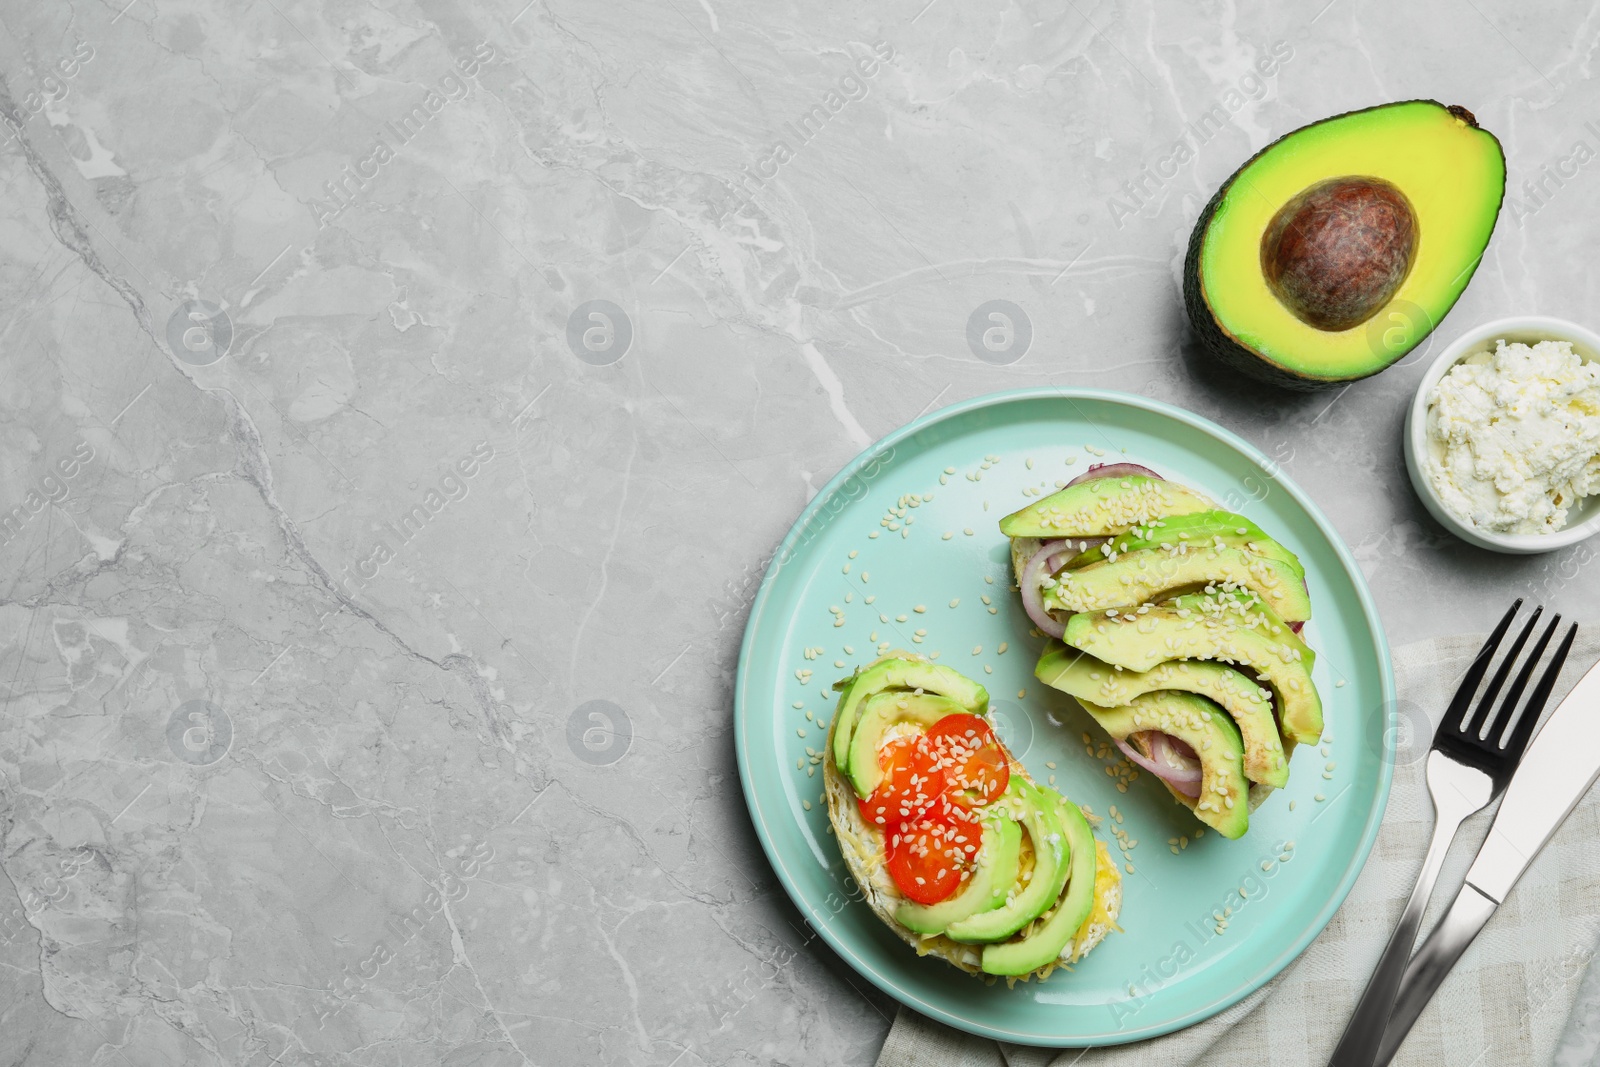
928	571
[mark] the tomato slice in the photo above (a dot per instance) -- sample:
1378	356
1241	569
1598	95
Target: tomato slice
961	730
975	768
926	858
912	785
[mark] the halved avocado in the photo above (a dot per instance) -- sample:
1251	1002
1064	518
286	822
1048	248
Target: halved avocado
1212	626
1027	900
898	672
1337	248
1134	577
1057	928
1102	506
1202	526
994	873
1085	678
881	711
1224	800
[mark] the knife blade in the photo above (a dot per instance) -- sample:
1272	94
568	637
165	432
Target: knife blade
1561	763
1558	769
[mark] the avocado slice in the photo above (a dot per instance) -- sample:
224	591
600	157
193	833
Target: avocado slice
1200	526
881	711
1085	678
1047	940
896	672
1102	506
1269	281
1134	577
1224	801
1234	628
994	873
1026	901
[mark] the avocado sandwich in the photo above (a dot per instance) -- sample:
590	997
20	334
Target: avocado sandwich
1176	625
954	847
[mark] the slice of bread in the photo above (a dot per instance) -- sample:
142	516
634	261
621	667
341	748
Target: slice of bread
862	845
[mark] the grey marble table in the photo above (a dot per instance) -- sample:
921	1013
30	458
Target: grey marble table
370	594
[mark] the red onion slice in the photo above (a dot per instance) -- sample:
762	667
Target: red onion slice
1164	751
1033	596
1114	470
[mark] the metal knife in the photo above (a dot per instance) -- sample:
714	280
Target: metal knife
1560	765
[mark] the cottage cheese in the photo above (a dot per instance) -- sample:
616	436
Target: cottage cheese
1514	436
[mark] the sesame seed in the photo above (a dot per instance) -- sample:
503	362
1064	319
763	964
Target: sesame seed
956	602
920	609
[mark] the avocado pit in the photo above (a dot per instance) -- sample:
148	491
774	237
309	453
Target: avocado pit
1338	250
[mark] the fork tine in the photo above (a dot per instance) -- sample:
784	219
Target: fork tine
1523	731
1502	718
1469	681
1474	727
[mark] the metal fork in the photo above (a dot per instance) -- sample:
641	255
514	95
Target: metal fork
1467	769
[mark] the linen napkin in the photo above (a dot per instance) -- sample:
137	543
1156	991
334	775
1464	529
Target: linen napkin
1506	1002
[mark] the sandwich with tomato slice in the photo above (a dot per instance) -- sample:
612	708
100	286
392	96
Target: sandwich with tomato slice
954	847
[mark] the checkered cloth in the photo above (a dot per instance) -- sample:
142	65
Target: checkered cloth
1508	999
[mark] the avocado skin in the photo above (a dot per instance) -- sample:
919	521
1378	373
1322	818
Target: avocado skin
1221	346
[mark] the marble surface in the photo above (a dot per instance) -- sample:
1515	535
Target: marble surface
370	594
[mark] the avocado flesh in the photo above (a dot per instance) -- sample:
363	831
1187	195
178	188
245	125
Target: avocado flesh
1037	814
878	714
1135	577
1207	626
994	873
1085	678
1050	938
1103	506
897	673
1451	172
1224	801
1236	531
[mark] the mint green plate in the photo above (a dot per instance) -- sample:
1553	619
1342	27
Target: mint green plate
1278	886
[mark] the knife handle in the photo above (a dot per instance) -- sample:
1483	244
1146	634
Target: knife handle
1438	954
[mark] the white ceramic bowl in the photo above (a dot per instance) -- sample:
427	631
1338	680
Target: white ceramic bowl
1583	521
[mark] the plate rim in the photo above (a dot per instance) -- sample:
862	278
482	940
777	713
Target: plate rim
1224	436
